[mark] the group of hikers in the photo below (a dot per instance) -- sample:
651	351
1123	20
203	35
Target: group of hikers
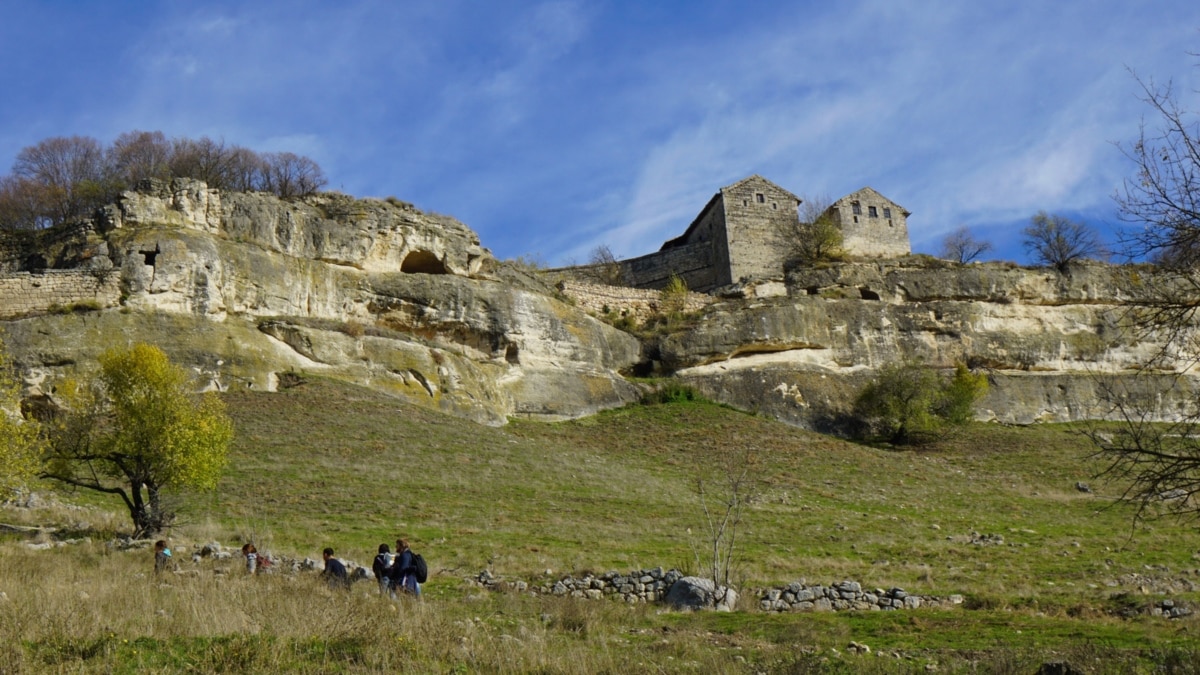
399	572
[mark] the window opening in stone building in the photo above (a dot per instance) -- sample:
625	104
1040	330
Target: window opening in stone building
856	219
759	197
745	202
857	209
887	212
774	205
872	212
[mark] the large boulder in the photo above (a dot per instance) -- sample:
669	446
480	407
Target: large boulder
692	593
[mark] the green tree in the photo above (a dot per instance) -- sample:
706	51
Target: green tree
817	236
910	404
20	441
138	431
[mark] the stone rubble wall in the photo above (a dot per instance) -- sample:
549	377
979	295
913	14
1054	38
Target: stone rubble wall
23	293
640	303
846	595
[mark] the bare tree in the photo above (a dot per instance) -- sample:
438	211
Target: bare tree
204	159
24	204
138	155
962	247
290	175
73	171
727	482
605	262
1158	463
817	236
1057	241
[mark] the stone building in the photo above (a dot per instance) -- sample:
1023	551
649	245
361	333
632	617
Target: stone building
873	226
745	231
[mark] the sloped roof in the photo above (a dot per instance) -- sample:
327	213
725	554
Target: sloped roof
756	177
870	192
672	243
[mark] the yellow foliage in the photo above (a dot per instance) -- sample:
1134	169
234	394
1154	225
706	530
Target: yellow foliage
20	442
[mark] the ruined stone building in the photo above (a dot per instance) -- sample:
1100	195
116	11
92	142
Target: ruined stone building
746	231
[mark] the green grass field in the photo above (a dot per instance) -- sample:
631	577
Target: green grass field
326	464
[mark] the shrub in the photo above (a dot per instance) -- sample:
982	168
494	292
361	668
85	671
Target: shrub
909	404
672	392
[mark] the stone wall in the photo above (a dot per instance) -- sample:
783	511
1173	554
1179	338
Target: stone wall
694	263
846	595
761	220
877	228
22	293
640	303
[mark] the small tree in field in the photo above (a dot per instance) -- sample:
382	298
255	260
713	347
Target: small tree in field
727	480
962	247
20	442
137	431
910	404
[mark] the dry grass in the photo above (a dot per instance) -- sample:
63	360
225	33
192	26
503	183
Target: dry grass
326	464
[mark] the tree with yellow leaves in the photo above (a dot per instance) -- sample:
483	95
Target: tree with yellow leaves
138	431
20	440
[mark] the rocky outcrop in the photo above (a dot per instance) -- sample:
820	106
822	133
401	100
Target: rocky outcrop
1049	342
242	287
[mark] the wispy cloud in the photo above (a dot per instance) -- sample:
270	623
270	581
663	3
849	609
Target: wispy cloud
556	126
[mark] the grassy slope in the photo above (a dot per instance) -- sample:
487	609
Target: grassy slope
329	464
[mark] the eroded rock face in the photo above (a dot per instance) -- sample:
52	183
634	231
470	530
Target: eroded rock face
1049	342
244	286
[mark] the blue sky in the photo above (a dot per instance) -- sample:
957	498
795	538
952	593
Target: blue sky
553	127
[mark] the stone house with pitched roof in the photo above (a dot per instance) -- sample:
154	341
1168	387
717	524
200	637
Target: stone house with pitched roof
745	232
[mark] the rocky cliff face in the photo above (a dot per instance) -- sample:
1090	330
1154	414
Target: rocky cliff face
1049	342
244	287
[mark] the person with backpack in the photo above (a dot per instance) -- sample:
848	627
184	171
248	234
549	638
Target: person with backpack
406	576
382	567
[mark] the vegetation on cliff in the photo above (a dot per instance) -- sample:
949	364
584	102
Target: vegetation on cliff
65	178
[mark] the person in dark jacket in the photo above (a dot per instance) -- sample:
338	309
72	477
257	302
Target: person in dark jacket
404	570
335	572
382	567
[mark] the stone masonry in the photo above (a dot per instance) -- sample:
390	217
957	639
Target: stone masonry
746	232
22	293
639	303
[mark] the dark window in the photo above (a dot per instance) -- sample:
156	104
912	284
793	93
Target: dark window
774	205
887	212
857	209
856	219
872	212
758	197
745	202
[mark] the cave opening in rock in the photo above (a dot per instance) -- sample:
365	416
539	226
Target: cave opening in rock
422	262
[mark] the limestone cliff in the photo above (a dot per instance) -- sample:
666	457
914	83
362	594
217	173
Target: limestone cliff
1049	342
244	287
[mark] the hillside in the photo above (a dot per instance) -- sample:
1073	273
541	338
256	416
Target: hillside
245	288
994	515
